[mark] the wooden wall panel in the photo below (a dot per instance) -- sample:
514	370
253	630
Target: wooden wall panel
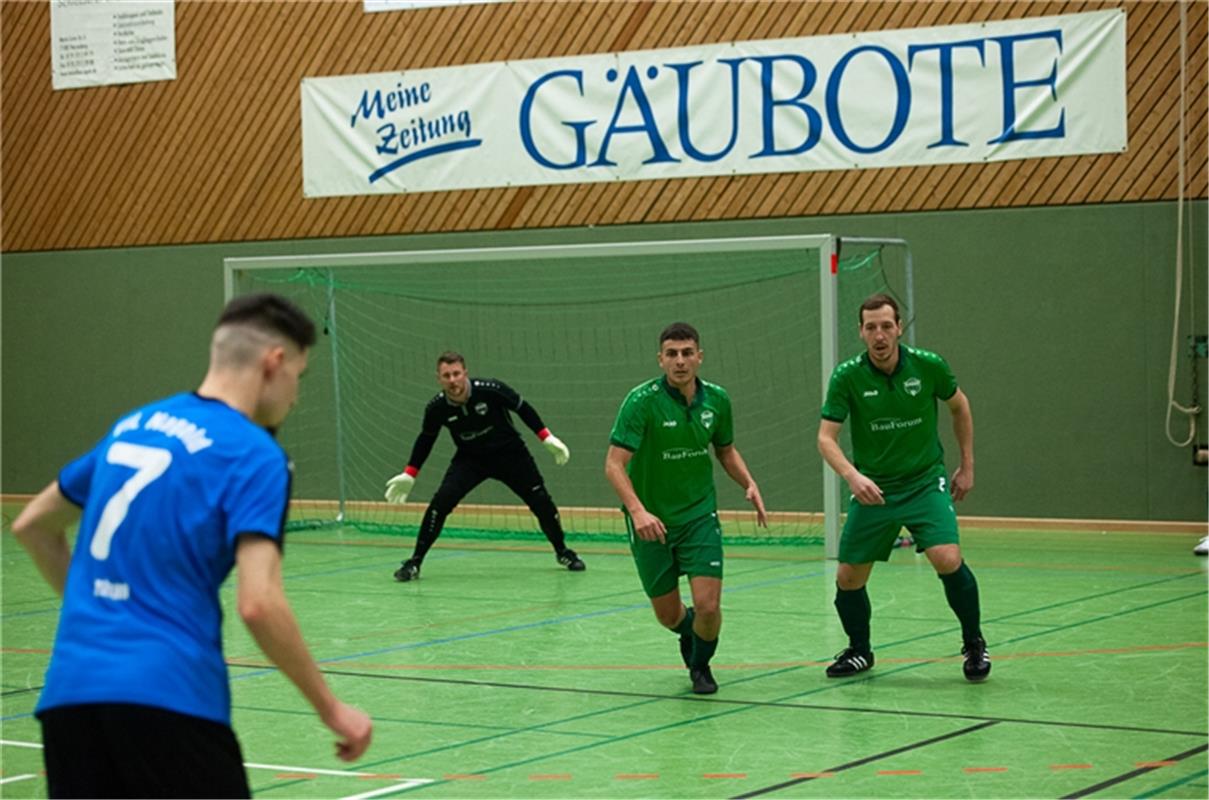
215	155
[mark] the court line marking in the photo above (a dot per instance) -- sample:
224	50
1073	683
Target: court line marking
1132	774
866	760
724	701
16	778
406	783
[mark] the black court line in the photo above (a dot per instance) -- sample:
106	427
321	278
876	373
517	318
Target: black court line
868	759
1133	773
689	698
26	690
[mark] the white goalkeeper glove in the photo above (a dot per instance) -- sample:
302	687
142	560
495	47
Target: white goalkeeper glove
398	487
561	453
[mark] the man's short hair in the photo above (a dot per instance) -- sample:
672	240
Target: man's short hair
450	357
876	301
679	332
272	314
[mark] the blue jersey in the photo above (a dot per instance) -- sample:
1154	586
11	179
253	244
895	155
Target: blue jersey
165	496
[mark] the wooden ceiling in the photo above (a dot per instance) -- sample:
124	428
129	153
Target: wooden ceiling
215	156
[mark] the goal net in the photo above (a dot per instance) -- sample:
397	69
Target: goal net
571	328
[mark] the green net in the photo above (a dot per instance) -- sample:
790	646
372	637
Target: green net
573	336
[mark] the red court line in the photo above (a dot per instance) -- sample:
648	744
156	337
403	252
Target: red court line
637	776
1156	763
35	650
290	776
717	775
986	769
1070	766
558	776
900	772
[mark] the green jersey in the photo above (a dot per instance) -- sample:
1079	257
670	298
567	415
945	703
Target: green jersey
894	437
671	469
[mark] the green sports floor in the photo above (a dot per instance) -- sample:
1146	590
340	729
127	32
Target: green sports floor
500	675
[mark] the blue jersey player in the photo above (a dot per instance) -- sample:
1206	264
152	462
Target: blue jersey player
136	701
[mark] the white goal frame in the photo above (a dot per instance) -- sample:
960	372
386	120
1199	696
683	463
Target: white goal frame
826	245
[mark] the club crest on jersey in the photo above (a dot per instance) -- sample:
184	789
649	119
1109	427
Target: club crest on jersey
480	409
707	418
912	386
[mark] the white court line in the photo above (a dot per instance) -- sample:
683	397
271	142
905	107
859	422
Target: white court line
398	787
16	778
405	783
315	770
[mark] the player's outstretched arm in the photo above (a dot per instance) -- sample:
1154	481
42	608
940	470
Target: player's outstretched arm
866	492
41	528
963	430
266	611
647	526
736	468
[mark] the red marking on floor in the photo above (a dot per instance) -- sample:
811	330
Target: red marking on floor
1070	766
713	775
900	772
812	774
35	650
986	769
637	776
457	776
289	776
1156	763
381	777
556	776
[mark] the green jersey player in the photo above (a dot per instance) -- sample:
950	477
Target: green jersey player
658	463
898	478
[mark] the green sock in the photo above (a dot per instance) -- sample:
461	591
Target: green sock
961	590
703	651
855	612
685	628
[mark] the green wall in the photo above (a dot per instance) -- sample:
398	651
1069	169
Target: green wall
1057	322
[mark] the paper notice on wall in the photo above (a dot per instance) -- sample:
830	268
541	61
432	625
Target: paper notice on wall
103	42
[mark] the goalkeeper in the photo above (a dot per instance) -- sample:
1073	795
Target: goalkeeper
477	413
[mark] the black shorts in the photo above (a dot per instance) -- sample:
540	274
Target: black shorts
126	750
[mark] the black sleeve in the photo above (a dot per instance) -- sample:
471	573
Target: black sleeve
429	428
528	415
514	402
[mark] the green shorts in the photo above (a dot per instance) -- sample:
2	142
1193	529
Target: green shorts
693	549
926	510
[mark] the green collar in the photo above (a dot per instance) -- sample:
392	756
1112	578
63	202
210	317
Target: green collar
698	396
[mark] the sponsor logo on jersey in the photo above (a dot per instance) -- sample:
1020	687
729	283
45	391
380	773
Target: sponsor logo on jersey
480	408
669	423
454	418
894	424
912	386
870	393
707	418
681	453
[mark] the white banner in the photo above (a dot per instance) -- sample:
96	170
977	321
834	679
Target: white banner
1030	88
103	42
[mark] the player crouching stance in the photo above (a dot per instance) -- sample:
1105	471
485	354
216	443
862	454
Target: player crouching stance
477	413
898	480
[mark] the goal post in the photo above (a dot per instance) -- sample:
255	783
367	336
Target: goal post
572	328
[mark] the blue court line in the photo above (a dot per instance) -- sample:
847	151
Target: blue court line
526	626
